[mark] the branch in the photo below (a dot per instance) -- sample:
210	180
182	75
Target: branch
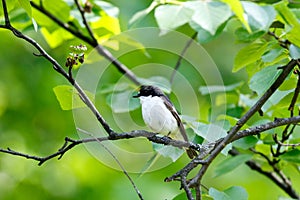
255	108
295	96
86	24
122	167
153	137
71	143
58	68
278	180
283	144
63	25
267	126
178	63
91	41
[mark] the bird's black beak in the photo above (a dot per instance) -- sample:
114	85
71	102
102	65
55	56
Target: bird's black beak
136	96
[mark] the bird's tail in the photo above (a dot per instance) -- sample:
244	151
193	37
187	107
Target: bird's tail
190	152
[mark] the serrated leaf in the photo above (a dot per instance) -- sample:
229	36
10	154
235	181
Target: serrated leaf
209	15
68	98
230	164
27	7
249	55
219	88
121	102
263	79
180	15
291	156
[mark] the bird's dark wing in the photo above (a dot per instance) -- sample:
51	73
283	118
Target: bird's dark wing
191	153
172	109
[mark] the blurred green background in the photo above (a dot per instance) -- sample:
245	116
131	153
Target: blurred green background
31	121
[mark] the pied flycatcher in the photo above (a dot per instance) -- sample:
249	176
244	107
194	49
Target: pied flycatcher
160	115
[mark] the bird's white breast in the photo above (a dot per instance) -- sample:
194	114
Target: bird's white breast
157	116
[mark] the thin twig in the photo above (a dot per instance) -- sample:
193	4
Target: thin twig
178	63
91	41
118	162
63	25
275	137
295	96
271	175
86	24
153	137
59	69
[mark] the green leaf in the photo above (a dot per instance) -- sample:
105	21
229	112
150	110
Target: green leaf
209	132
27	7
137	17
249	55
209	15
290	18
294	52
237	192
263	79
204	90
274	56
180	15
259	17
293	36
59	9
68	98
286	13
230	164
203	35
57	37
218	195
168	151
292	156
108	8
109	88
244	36
121	102
182	196
245	142
105	27
238	10
10	5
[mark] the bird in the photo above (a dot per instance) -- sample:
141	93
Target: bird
160	115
